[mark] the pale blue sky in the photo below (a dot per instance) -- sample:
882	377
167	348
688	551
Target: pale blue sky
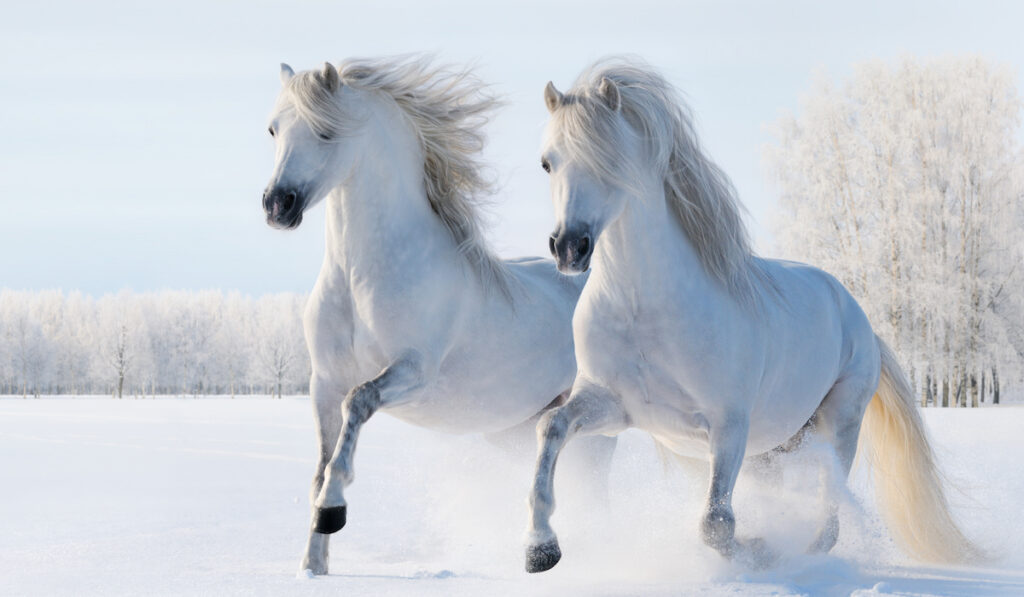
133	147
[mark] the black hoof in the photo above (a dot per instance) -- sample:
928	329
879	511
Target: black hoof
329	520
540	558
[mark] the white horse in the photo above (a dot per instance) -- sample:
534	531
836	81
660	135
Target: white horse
411	313
682	332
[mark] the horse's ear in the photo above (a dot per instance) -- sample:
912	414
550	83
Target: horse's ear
286	73
609	92
552	97
330	77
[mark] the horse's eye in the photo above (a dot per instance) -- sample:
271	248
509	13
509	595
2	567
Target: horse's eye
324	136
547	166
271	131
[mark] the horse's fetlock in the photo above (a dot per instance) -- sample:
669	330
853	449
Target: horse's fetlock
719	528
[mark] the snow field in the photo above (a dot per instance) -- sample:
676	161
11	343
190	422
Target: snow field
210	497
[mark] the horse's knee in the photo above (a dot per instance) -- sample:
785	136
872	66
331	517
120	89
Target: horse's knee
361	403
553	425
718	529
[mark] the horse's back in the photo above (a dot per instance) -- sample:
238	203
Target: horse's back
815	297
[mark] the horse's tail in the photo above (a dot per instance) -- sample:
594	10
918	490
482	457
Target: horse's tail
908	484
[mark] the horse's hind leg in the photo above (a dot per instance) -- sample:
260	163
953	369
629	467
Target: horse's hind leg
590	410
326	398
837	422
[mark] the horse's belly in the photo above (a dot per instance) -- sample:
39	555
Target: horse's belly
675	397
461	410
775	421
484	391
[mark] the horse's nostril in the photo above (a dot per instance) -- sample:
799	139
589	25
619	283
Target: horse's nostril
551	245
289	201
584	247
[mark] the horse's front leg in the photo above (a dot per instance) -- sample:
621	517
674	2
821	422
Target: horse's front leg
389	388
327	399
728	443
590	410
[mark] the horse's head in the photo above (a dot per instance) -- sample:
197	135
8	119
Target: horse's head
588	151
308	125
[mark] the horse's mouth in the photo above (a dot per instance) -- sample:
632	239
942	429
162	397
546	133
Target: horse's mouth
285	221
574	268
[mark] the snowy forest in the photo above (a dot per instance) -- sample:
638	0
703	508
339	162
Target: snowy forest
905	182
141	345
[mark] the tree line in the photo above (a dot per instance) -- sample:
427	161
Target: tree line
905	182
141	345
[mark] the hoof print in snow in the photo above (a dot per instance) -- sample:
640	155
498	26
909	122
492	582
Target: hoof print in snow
542	557
330	520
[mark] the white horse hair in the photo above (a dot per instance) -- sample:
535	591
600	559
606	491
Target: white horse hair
681	331
411	313
448	109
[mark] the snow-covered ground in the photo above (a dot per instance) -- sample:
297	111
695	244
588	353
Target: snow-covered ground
209	496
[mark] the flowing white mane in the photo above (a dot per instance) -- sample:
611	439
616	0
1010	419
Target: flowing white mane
448	108
700	194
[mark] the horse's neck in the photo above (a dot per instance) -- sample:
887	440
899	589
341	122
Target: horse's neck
645	249
382	208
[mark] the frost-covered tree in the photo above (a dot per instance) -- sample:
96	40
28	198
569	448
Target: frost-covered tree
74	343
234	341
280	346
155	343
30	350
904	182
189	323
122	340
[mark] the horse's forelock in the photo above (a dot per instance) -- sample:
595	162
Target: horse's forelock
318	105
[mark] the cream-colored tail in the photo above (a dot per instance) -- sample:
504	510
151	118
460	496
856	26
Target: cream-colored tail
908	484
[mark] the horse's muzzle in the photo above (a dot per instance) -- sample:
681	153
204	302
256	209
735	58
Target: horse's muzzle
283	207
572	250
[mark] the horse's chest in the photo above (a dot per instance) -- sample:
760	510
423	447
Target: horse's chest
646	357
637	353
658	401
